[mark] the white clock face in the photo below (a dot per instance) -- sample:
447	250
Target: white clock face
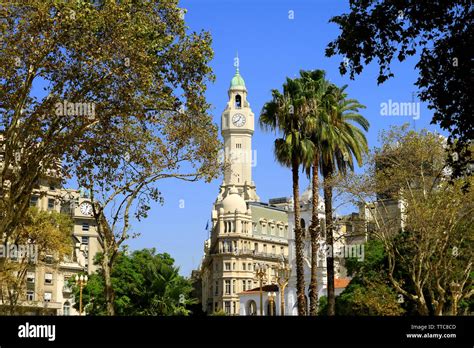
238	120
86	208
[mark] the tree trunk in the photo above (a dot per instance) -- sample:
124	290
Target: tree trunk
329	243
109	291
314	232
300	286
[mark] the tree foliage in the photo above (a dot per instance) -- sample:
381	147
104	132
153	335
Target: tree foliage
438	32
46	233
122	106
425	224
145	283
370	291
133	62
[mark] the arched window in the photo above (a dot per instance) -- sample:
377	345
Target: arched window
252	307
238	101
303	224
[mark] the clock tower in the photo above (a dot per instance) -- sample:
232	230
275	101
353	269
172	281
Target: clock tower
237	127
244	232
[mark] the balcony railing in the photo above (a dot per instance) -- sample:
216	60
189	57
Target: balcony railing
248	252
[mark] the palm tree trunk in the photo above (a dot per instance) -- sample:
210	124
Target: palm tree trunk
330	243
300	286
314	229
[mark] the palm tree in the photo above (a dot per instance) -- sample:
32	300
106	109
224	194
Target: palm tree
315	87
341	141
284	114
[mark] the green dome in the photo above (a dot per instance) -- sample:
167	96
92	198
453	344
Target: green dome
237	80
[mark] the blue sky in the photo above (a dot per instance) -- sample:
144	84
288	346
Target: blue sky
271	46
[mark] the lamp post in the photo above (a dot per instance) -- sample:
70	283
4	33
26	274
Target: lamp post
271	299
81	281
283	273
261	273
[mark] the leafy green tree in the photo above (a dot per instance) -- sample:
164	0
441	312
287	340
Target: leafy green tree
370	291
285	113
48	233
145	283
438	32
119	77
424	223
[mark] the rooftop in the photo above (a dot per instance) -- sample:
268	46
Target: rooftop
265	288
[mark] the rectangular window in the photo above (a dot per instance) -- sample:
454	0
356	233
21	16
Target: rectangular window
30	277
255	247
85	226
48	296
52	187
233	266
85	240
66	286
50	203
233	287
227	266
243	266
227	287
227	307
34	201
48	278
244	283
265	248
249	284
48	259
216	288
250	266
30	295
